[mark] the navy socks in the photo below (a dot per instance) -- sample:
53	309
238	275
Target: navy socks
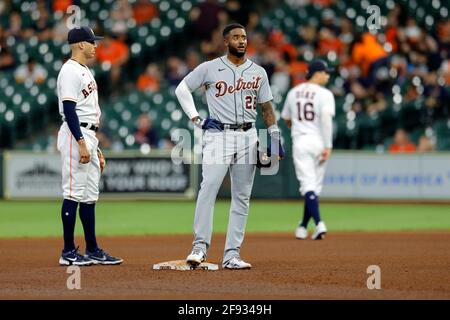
87	216
69	216
312	206
306	217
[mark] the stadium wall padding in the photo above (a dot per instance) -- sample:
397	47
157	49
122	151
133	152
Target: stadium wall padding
349	175
1	175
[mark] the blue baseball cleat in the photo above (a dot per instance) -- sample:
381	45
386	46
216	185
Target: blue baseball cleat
102	257
73	257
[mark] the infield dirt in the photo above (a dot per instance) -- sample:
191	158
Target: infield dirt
414	265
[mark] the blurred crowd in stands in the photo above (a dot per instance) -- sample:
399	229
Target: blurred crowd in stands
373	68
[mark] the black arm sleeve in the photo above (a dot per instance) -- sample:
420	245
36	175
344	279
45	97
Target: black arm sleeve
72	119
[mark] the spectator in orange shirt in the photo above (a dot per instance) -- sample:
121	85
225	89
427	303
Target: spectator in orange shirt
392	30
115	52
144	11
445	69
329	42
150	80
402	144
298	71
369	55
278	42
112	50
61	5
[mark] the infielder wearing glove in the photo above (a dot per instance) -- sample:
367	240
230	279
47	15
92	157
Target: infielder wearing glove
82	162
102	160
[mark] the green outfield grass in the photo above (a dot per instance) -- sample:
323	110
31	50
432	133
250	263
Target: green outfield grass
39	219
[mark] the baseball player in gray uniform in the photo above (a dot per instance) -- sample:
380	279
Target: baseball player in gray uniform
233	86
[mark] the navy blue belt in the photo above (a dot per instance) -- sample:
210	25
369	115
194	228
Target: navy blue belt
89	126
235	126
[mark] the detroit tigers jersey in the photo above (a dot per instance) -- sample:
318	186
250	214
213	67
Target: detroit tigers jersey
232	92
76	83
304	105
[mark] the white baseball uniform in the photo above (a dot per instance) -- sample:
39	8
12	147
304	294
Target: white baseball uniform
309	106
79	181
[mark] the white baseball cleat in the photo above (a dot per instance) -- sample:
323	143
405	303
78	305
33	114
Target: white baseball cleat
237	263
319	231
196	257
301	233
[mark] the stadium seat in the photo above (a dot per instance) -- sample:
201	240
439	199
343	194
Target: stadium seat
442	131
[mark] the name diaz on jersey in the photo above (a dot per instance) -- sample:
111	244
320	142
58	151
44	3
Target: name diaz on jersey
89	89
222	87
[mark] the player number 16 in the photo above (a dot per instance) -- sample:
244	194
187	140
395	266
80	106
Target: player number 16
308	111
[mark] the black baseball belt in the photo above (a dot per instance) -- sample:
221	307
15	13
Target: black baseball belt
237	126
89	126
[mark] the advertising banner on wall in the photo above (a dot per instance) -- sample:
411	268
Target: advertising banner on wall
371	176
348	176
38	175
29	175
151	176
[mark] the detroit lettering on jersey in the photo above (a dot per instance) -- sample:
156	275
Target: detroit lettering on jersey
89	89
232	92
223	87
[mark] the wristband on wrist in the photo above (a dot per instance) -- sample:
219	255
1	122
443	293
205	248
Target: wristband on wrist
199	122
273	129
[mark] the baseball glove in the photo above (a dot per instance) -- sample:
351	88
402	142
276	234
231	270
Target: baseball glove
263	158
102	160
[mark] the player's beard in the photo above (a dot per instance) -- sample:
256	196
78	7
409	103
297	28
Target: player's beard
234	51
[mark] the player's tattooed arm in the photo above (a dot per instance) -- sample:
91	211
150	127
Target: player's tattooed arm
271	123
268	114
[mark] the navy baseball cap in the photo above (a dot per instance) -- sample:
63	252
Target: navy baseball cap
82	34
317	66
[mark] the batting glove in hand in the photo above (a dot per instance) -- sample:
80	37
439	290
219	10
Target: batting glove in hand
209	123
275	144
